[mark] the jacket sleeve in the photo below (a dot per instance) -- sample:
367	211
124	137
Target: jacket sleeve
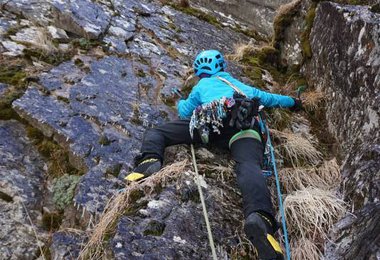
272	100
186	107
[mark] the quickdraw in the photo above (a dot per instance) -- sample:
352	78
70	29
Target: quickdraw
210	115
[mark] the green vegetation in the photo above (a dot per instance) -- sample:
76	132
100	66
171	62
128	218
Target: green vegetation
51	57
63	99
86	44
154	228
375	8
59	163
305	41
104	140
282	20
114	170
52	221
63	190
14	76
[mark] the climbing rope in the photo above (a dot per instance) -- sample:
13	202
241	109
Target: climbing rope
273	164
198	181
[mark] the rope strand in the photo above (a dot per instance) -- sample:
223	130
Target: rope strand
198	181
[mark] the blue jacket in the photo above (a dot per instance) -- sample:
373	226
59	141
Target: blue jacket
210	89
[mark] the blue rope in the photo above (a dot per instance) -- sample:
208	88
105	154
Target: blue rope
287	247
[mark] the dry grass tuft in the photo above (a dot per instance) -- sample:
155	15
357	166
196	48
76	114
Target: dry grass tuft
121	201
325	177
313	100
311	212
296	149
304	248
222	172
242	50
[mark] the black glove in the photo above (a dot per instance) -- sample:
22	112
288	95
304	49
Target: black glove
297	105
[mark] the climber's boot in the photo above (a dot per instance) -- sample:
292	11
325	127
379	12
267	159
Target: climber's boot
259	230
144	169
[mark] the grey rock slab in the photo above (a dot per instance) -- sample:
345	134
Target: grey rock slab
57	33
111	93
258	14
33	36
66	245
291	47
171	225
21	190
61	77
94	190
12	48
121	31
348	71
84	17
7	20
38	11
188	34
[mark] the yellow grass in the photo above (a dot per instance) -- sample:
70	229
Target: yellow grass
312	100
241	50
326	176
297	149
311	212
305	249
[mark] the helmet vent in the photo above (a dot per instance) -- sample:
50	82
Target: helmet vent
218	56
201	60
205	68
216	66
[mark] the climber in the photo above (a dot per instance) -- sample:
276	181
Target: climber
245	144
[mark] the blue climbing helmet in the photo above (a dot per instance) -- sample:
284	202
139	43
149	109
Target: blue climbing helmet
209	62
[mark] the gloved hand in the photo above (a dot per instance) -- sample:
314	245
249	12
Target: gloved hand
297	105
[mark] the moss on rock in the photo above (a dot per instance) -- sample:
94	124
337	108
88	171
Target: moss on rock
58	158
63	190
305	41
154	228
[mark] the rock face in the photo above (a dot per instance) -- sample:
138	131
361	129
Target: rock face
346	65
257	14
168	228
98	102
21	193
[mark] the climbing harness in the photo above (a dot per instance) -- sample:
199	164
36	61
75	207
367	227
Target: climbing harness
210	115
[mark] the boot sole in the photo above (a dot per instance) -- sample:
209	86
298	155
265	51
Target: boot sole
264	243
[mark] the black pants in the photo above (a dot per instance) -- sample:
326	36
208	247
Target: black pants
247	152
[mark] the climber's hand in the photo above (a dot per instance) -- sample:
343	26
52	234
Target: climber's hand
297	105
177	94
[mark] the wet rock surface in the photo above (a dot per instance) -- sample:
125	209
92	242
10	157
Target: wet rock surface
21	193
352	89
